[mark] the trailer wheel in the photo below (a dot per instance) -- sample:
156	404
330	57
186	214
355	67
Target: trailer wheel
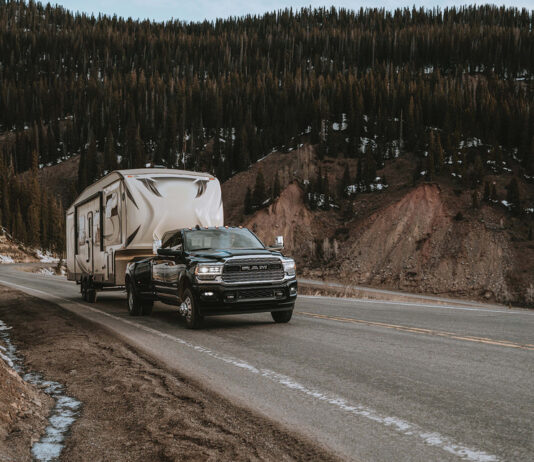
83	288
134	304
193	319
90	294
282	317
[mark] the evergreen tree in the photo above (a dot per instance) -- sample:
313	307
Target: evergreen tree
259	196
91	161
110	157
475	199
487	193
493	195
513	196
345	182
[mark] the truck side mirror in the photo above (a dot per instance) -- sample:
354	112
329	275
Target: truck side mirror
278	243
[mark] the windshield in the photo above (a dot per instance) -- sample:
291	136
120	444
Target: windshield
227	238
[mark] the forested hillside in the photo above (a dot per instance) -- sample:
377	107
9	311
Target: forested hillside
452	88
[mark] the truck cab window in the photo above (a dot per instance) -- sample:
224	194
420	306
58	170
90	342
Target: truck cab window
174	242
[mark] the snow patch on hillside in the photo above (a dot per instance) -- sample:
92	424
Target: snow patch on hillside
6	259
45	257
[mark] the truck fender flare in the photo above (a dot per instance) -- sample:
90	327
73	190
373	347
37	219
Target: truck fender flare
185	280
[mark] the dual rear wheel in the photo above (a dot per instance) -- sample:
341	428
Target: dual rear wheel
136	305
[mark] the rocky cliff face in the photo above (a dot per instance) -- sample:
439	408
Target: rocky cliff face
416	241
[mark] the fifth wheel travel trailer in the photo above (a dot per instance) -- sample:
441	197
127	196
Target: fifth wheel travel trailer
123	216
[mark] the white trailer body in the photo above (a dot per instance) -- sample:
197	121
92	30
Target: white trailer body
122	215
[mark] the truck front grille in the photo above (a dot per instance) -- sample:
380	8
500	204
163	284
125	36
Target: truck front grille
249	294
253	269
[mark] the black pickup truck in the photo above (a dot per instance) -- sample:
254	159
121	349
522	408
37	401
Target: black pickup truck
213	271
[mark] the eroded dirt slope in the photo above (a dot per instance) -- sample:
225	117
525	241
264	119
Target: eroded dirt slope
417	244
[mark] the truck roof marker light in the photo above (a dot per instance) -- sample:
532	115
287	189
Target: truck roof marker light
226	226
240	227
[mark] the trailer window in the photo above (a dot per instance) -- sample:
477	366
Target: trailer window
112	217
90	224
112	205
81	230
96	226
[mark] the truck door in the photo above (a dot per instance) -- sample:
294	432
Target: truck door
165	270
172	275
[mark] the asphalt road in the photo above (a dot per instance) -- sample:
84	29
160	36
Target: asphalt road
371	380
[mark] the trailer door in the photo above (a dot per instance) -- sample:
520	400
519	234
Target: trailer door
87	245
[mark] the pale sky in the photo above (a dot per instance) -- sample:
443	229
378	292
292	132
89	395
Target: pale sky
198	10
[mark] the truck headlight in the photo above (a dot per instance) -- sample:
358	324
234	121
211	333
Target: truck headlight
289	267
206	271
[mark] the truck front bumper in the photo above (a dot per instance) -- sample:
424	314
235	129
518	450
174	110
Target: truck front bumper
216	299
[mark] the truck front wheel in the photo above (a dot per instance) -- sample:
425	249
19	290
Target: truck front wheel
282	316
193	319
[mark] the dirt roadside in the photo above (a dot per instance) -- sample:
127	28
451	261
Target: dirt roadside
134	409
23	414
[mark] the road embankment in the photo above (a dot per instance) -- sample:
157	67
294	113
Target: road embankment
133	408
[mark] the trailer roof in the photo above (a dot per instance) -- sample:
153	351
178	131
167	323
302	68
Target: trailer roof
120	174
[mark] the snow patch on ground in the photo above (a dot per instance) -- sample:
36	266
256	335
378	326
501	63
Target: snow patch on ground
6	259
65	410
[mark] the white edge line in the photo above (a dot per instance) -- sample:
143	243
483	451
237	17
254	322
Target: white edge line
387	302
401	426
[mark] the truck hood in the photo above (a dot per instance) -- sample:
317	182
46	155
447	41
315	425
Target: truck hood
222	255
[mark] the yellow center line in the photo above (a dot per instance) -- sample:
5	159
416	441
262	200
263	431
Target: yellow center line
420	330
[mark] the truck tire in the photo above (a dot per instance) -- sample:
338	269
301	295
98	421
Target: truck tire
281	317
135	308
146	307
193	319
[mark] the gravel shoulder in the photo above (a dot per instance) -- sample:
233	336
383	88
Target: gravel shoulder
133	408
